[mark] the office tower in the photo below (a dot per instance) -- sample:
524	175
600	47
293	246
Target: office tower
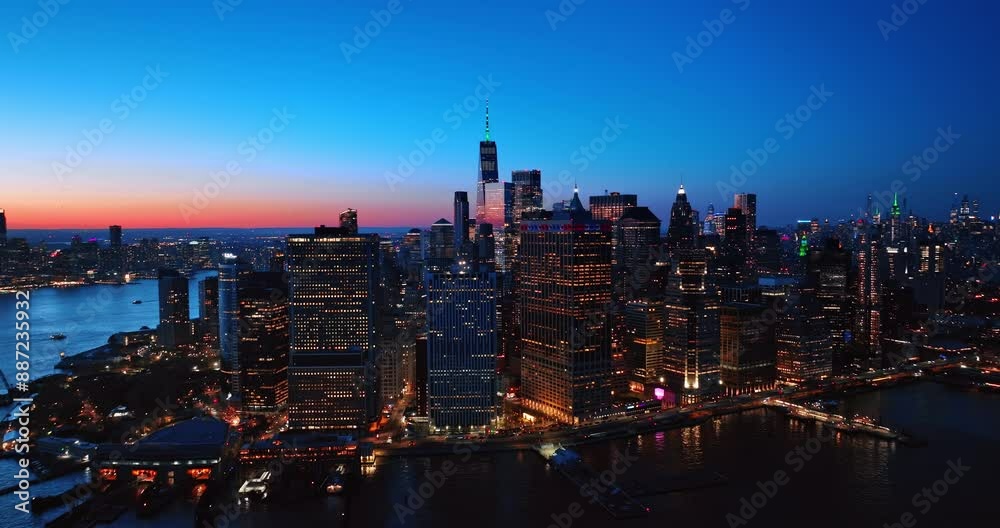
827	279
805	350
499	212
680	233
3	229
644	344
735	257
208	303
691	333
461	220
746	343
527	193
867	335
461	350
175	312
420	376
485	249
565	295
747	203
349	221
709	222
612	206
232	270
263	342
768	250
333	276
442	241
638	254
488	170
115	235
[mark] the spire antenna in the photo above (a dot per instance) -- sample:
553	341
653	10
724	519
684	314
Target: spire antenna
487	119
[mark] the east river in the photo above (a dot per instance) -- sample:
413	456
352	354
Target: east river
852	481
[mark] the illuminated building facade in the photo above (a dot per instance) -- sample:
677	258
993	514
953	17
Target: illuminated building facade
565	295
804	348
461	350
331	382
263	343
691	359
867	335
175	313
747	349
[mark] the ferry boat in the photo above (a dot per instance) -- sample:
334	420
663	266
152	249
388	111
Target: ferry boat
57	337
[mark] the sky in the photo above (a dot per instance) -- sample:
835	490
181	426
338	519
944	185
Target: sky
202	113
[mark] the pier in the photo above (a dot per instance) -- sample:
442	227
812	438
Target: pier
612	498
842	424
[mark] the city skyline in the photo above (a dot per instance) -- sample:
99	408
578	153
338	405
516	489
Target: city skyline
326	145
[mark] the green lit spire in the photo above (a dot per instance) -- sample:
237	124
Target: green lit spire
895	206
488	120
803	246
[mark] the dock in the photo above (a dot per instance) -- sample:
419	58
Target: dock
615	500
841	424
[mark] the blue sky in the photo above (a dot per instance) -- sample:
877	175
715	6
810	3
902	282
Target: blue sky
554	91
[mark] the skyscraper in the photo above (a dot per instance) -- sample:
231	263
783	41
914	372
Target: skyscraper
805	350
263	342
747	350
747	202
867	335
527	193
442	242
827	279
420	378
691	334
115	236
488	170
612	206
565	296
644	344
333	276
208	303
680	233
349	221
175	312
231	271
461	349
461	220
3	229
638	253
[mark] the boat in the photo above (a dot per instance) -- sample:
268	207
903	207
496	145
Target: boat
334	484
57	336
137	301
